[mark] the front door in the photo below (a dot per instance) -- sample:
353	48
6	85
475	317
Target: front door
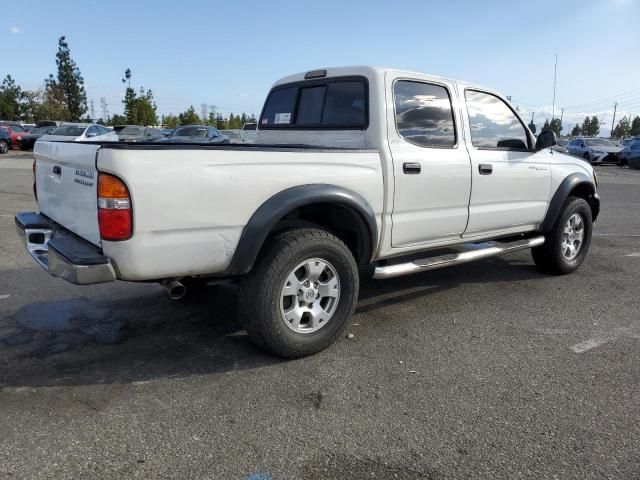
431	166
511	181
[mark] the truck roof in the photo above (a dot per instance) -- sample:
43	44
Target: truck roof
373	71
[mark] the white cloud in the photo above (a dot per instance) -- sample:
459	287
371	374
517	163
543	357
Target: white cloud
15	30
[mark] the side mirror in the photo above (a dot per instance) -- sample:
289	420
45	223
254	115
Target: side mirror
545	140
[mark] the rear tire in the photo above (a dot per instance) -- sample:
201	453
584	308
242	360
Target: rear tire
301	293
567	244
4	146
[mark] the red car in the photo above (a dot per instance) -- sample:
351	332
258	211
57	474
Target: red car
15	130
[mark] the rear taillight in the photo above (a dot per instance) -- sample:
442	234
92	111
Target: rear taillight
35	192
114	208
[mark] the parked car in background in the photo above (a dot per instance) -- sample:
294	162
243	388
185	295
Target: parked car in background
15	130
629	141
594	150
166	131
137	133
28	126
47	123
630	155
81	132
234	135
248	133
5	141
196	134
28	141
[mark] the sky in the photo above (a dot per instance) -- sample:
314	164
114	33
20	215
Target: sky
228	54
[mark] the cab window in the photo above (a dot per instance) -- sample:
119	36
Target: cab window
493	124
424	115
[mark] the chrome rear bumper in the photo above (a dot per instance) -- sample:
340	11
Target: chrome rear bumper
61	253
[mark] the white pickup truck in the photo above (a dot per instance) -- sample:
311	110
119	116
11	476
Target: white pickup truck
353	167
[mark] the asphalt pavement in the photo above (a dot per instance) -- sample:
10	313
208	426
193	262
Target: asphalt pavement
487	370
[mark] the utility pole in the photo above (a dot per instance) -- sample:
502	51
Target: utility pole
105	109
204	109
555	76
613	122
93	111
532	115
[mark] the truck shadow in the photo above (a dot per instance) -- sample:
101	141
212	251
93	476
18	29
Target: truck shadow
142	336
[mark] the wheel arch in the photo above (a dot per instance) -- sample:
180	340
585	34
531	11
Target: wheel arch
576	184
343	211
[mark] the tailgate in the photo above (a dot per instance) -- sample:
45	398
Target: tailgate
66	182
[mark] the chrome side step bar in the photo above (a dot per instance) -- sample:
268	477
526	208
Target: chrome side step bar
493	249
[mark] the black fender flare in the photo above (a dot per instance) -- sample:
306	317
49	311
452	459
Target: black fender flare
562	193
275	208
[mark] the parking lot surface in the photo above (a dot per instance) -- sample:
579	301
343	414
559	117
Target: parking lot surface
488	370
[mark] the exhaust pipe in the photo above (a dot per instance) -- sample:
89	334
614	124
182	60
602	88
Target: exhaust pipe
175	289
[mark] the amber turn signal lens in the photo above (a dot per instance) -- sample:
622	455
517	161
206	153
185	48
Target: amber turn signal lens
110	186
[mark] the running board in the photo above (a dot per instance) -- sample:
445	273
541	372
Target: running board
449	260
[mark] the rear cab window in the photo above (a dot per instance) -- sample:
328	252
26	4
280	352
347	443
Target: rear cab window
328	103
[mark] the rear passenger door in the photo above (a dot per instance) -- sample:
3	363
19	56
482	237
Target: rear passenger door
511	181
431	167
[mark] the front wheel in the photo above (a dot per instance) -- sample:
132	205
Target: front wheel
4	146
567	244
301	293
587	157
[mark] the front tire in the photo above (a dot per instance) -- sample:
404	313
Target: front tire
301	293
567	244
4	146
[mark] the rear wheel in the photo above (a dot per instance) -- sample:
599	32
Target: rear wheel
567	244
4	146
587	157
301	293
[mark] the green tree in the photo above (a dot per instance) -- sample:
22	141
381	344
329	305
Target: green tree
622	129
10	99
577	131
146	108
555	126
170	121
221	124
130	106
532	127
189	116
634	131
117	119
592	127
588	128
546	126
69	82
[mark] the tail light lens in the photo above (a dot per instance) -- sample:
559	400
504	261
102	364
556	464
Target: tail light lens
114	208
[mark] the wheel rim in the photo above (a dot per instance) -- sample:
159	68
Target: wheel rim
310	295
4	147
573	236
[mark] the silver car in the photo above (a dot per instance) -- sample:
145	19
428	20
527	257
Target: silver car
594	150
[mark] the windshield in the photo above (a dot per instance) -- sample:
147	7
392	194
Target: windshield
598	142
131	131
191	132
69	130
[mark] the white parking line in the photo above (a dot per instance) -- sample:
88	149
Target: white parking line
615	235
4	297
637	254
589	344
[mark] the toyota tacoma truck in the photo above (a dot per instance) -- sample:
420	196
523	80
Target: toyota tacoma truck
355	171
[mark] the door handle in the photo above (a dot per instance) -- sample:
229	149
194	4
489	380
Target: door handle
485	169
411	168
